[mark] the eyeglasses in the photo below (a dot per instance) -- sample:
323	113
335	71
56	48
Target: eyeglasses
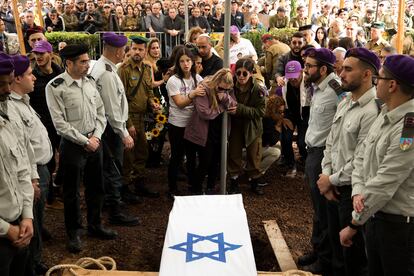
309	66
240	72
223	90
206	9
376	78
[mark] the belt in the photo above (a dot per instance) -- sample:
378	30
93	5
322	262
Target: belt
393	218
17	221
313	149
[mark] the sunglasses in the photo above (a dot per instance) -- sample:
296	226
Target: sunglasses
240	72
223	90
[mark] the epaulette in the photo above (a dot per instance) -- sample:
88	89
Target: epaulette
57	82
334	84
407	134
379	103
108	67
90	77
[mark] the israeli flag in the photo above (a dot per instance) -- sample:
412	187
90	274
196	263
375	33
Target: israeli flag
208	235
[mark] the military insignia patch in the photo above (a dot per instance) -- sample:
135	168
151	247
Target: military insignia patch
407	135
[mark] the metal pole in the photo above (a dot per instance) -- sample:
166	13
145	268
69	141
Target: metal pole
401	26
226	63
18	27
310	11
186	18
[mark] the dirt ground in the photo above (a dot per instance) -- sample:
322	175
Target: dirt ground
139	248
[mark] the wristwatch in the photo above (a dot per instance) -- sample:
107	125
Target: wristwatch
353	226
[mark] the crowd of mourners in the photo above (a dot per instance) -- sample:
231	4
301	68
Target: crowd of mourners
337	91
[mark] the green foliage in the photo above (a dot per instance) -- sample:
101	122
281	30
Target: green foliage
256	39
284	35
92	40
293	6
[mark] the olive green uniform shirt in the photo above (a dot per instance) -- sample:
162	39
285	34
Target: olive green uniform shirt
296	22
75	110
377	47
349	128
130	73
278	22
383	172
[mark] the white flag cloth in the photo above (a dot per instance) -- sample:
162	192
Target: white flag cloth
208	235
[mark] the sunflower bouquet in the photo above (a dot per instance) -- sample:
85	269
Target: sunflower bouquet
155	124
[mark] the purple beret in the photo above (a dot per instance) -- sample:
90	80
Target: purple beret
234	29
114	40
21	63
401	67
6	64
322	55
42	46
365	55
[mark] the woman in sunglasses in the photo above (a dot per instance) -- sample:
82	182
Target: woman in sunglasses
203	132
246	131
182	89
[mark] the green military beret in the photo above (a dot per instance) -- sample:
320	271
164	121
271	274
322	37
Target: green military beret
139	39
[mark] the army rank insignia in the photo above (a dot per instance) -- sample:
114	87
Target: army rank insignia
407	135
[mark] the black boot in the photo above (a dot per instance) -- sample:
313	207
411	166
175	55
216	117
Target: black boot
116	217
100	232
128	196
74	243
255	187
141	189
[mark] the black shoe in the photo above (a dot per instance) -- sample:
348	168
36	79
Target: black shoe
307	259
74	243
122	219
46	236
261	181
255	187
234	186
130	198
102	233
145	192
41	268
316	268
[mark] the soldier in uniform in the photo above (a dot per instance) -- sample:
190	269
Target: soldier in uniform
319	70
137	79
116	136
383	175
377	43
273	49
16	202
78	114
384	16
22	85
279	20
300	20
323	19
353	118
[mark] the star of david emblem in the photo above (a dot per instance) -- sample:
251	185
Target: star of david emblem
216	255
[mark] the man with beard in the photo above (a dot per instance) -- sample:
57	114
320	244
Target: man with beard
296	44
91	20
78	114
353	118
45	70
319	70
383	178
137	79
211	63
16	204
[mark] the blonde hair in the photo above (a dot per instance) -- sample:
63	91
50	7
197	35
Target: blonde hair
211	82
193	31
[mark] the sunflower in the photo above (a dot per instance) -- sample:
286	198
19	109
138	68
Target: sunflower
155	132
160	118
159	126
148	135
156	100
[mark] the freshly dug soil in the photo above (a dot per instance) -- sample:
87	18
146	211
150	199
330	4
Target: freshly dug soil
139	248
